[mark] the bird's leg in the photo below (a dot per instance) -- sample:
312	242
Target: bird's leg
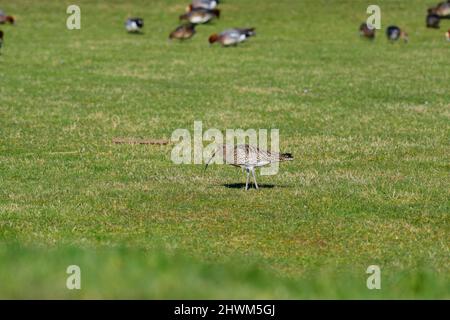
248	178
254	178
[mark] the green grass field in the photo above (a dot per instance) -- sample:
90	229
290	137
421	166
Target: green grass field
367	122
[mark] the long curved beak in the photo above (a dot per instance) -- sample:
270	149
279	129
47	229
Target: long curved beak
207	164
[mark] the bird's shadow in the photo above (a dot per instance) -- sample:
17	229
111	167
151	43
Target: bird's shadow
242	186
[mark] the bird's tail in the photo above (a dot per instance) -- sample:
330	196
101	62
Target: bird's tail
249	32
216	12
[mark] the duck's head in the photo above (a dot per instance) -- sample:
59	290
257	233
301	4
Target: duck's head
213	38
10	19
189	8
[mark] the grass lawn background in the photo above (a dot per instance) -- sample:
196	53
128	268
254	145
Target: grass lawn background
367	122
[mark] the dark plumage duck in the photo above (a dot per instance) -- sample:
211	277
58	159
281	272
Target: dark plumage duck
433	21
205	4
200	15
366	31
232	37
394	33
183	32
134	25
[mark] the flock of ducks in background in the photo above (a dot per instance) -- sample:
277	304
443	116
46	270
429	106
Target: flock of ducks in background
203	11
199	12
434	16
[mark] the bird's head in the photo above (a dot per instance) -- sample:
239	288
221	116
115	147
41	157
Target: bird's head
220	151
189	8
10	19
213	38
212	157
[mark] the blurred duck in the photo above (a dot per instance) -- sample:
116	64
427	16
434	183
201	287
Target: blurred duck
183	32
394	33
433	21
134	25
442	9
366	31
1	39
200	15
232	37
205	4
6	19
447	35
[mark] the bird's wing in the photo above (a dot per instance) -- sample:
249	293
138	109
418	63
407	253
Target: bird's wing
231	33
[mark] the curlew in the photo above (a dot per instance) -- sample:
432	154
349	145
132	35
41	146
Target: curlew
248	157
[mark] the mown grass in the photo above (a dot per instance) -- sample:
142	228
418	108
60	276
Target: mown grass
368	124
